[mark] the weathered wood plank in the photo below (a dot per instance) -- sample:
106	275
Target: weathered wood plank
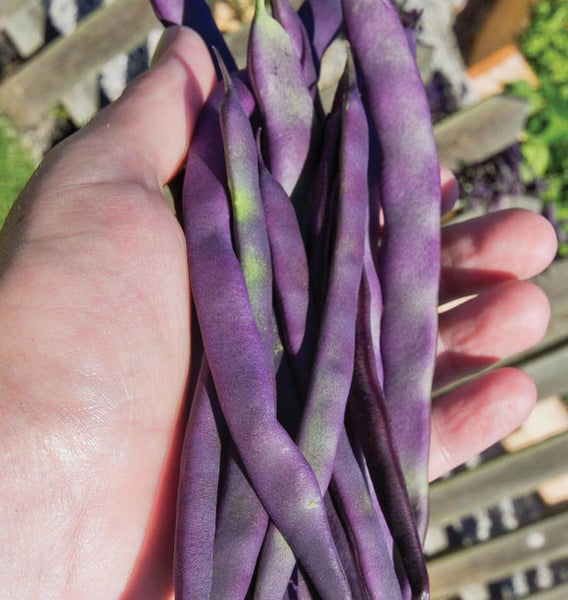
82	101
26	27
543	541
424	60
476	133
238	43
554	282
489	76
504	23
508	476
548	418
8	8
40	83
554	491
549	371
559	592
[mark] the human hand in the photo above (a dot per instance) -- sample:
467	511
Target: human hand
94	319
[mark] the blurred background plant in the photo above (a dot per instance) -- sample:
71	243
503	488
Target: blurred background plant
545	142
16	166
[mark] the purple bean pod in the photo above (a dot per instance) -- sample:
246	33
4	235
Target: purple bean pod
249	223
197	15
322	420
375	303
372	427
280	475
197	496
241	526
345	550
289	262
368	539
322	20
242	520
283	97
285	14
410	247
193	565
322	209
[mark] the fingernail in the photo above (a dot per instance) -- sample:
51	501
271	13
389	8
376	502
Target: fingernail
167	39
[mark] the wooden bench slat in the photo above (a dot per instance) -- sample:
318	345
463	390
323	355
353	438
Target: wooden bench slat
26	27
549	371
509	476
82	101
477	133
546	540
503	25
8	8
554	282
559	592
40	83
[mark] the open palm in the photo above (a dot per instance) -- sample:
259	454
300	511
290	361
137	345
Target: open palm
94	323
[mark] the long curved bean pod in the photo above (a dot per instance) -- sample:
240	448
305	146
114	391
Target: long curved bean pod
322	19
368	534
372	240
196	519
288	255
410	20
322	419
373	428
289	261
367	538
291	277
333	367
285	14
345	551
242	520
281	477
298	588
375	302
322	207
241	526
197	499
197	15
283	97
410	248
249	223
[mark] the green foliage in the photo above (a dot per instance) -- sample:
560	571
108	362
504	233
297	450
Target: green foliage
545	147
16	166
546	43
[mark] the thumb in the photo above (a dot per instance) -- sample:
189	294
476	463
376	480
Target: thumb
137	143
144	136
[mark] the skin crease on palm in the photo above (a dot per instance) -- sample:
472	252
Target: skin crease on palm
94	323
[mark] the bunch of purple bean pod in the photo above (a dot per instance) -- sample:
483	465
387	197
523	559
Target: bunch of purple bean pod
314	251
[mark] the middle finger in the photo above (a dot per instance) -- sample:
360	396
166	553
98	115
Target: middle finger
496	324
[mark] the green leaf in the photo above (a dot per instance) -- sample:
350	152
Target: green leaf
553	192
537	155
526	173
16	166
